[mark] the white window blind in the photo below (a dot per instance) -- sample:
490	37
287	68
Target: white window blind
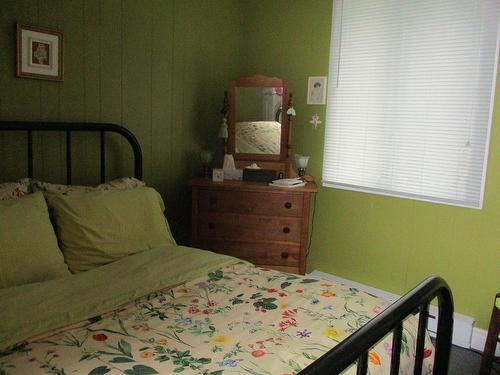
410	101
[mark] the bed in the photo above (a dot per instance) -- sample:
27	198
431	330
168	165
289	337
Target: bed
171	309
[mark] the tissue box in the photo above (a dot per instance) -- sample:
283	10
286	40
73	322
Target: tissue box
259	175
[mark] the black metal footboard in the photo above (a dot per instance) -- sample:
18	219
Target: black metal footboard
355	347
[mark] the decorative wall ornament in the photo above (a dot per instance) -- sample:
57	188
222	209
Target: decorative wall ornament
291	112
39	53
315	121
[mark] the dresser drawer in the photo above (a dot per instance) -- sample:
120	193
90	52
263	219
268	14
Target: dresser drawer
254	252
262	224
249	227
247	202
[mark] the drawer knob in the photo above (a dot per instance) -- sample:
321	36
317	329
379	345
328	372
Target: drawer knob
286	230
211	226
288	205
284	255
213	201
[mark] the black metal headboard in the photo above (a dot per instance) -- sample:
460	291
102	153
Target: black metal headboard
68	128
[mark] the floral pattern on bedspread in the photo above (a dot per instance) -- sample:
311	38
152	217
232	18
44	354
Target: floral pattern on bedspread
15	190
124	183
236	320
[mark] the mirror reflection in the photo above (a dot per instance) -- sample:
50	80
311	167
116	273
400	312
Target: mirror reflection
258	120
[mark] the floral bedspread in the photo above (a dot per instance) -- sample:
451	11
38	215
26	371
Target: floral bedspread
235	320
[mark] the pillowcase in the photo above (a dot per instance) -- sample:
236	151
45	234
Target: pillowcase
118	184
28	244
100	227
123	183
15	190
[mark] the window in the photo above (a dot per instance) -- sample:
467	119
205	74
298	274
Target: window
410	101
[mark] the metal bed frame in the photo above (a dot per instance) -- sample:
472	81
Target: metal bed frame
355	348
69	128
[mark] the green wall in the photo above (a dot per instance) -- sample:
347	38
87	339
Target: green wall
159	67
389	243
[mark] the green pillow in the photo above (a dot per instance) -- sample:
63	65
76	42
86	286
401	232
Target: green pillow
100	227
28	244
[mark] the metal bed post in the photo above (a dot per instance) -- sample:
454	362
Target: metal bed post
356	345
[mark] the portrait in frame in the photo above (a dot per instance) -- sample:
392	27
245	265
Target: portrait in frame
39	53
316	90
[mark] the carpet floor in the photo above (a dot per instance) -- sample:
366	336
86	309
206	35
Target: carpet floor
464	362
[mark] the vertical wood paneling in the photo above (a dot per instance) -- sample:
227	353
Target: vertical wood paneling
205	60
180	96
92	56
5	54
157	67
49	148
111	72
72	90
162	92
136	58
20	97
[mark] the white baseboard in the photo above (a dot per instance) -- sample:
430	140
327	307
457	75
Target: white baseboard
465	334
478	340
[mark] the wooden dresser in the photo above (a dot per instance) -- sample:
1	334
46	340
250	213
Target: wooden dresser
265	225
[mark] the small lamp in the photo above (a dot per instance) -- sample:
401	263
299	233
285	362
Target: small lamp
301	163
206	158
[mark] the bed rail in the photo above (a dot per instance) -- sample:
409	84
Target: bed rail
355	347
68	128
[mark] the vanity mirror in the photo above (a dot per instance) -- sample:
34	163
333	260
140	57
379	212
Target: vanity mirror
259	127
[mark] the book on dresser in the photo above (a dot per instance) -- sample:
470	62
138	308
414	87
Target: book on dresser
265	225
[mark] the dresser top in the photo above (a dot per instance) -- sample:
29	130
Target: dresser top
310	187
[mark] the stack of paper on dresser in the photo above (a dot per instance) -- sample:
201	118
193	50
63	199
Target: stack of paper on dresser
288	182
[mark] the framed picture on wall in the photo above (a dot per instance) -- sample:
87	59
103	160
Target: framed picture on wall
39	53
316	90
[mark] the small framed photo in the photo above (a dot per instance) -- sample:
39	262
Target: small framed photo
316	90
39	53
217	175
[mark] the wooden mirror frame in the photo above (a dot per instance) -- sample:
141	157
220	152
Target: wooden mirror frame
259	81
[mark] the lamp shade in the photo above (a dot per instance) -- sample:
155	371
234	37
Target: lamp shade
206	157
301	161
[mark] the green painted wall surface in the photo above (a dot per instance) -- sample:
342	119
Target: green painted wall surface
389	243
158	67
